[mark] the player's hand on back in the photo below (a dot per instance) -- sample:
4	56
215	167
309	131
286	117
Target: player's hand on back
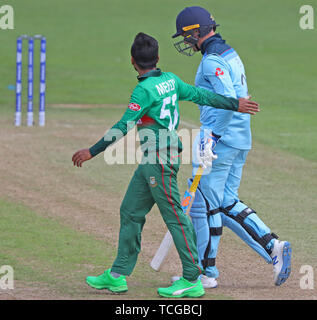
248	106
81	156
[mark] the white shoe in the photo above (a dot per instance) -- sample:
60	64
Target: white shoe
206	281
281	256
175	278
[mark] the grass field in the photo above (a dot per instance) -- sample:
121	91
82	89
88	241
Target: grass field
59	223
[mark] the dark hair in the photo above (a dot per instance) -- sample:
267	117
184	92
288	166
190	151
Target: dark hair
144	51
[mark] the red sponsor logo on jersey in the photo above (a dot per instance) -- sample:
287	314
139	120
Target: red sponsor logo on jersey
219	72
134	106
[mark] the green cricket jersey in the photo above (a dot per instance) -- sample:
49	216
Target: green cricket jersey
154	108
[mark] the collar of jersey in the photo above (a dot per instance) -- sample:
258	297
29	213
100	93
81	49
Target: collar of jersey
153	73
207	42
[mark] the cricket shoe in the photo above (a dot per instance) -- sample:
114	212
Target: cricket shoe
182	288
107	281
281	257
208	283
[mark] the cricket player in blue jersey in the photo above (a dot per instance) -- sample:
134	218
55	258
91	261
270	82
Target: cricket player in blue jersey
228	134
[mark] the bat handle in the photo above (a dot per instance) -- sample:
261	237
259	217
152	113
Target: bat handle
195	183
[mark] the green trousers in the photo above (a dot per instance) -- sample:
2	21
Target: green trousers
150	184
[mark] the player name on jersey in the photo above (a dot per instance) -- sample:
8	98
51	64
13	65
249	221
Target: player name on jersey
166	86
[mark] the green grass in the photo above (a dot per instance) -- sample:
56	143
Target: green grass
46	252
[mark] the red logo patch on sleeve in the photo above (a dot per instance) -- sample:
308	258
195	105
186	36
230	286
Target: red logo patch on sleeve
134	107
219	72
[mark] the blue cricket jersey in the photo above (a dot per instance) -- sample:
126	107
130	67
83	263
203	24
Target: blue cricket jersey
221	71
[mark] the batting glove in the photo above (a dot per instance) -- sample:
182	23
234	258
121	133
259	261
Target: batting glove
205	154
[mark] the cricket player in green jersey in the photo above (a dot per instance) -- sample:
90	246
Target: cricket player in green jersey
154	107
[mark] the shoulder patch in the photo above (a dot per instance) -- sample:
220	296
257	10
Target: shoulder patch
219	72
134	107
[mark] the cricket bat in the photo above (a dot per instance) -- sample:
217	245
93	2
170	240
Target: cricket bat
167	241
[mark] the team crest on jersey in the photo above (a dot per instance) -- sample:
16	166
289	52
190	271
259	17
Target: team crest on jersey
219	72
134	107
153	182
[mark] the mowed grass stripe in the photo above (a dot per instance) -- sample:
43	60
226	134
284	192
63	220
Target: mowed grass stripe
42	250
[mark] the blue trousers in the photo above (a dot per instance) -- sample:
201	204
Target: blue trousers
218	188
